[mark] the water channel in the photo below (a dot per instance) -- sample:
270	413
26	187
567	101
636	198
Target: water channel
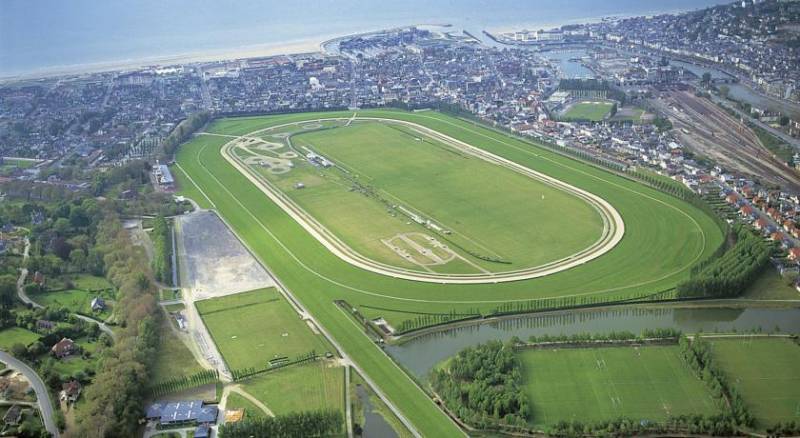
421	354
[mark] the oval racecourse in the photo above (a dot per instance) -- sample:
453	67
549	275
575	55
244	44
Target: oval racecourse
663	236
419	246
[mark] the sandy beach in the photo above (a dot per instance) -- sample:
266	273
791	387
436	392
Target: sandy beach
250	51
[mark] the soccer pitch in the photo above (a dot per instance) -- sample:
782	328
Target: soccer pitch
664	237
594	111
252	328
593	384
765	372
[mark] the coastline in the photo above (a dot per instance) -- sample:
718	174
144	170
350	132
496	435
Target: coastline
316	44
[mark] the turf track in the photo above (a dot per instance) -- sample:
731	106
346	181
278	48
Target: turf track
664	238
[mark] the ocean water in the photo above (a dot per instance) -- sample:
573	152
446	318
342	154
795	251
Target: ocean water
48	34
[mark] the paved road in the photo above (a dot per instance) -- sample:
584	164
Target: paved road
103	326
45	404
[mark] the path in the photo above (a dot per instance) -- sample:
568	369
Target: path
23	274
249	397
42	395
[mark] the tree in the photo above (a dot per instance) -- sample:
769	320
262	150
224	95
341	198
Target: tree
8	289
706	78
724	91
784	120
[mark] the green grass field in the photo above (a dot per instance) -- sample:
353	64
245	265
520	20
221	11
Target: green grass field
594	111
316	385
16	335
75	300
593	384
236	401
490	210
254	327
664	237
765	371
173	358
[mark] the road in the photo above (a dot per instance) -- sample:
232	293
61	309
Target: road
43	396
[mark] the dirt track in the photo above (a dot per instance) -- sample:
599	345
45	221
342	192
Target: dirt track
712	132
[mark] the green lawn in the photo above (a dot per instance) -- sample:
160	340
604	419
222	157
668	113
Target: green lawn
664	237
771	286
490	210
316	385
589	110
236	401
173	358
76	300
16	335
594	384
766	373
254	327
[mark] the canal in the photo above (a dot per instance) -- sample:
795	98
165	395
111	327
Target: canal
421	354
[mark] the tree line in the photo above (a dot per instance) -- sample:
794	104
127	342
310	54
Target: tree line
732	272
162	248
113	404
297	424
246	373
183	131
176	384
697	353
482	385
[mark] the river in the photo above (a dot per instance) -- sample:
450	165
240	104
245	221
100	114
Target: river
421	354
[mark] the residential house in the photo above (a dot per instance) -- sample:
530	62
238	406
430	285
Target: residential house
70	391
98	304
63	348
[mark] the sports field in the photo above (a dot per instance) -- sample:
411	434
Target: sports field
594	111
594	384
663	238
383	171
252	328
766	373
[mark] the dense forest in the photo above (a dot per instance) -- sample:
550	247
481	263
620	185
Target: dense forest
482	385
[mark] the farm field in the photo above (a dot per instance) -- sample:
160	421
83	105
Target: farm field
765	373
593	384
594	111
388	177
310	386
252	328
664	237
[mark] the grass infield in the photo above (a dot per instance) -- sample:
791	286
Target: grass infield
252	328
593	384
664	237
765	372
